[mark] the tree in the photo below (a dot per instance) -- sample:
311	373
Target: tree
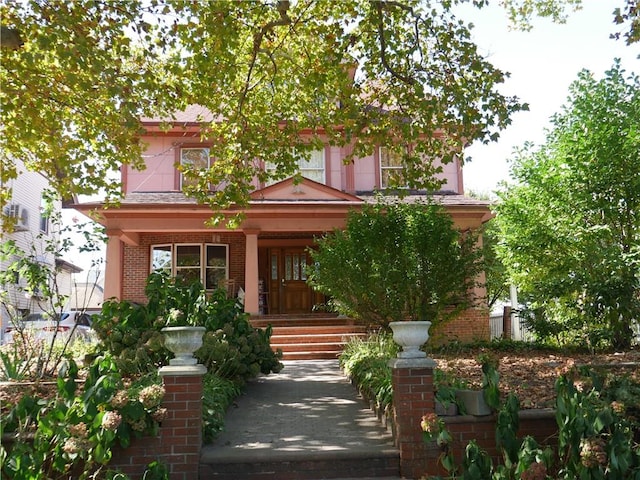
571	221
77	76
521	12
397	262
496	278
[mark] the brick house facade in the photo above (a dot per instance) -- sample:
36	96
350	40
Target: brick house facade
157	226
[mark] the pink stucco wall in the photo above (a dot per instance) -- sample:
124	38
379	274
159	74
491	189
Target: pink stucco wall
160	174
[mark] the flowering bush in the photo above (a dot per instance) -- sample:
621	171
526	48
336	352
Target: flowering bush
598	439
232	349
72	434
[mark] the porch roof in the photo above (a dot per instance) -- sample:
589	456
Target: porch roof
286	206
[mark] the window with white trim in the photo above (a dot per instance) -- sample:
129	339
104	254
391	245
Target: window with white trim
192	158
44	216
391	168
312	167
207	263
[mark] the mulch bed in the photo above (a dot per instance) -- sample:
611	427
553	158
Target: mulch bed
531	375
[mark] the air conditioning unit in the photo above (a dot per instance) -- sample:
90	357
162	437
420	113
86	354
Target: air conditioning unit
21	215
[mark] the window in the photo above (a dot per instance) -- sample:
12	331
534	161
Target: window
161	258
390	168
192	159
208	263
44	216
312	168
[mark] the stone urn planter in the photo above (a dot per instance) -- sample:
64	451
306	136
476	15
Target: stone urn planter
183	342
411	335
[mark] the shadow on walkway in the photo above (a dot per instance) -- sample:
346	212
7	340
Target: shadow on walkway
304	412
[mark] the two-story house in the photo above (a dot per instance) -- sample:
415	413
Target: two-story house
157	227
32	232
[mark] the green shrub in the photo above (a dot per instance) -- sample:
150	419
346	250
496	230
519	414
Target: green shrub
218	395
397	262
232	347
365	362
72	434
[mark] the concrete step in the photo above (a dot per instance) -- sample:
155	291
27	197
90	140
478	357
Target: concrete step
262	321
304	335
311	467
310	337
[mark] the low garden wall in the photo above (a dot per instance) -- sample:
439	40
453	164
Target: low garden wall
414	397
179	440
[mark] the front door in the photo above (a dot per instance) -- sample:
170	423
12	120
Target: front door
288	289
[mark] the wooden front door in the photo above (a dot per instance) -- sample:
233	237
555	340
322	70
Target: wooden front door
288	289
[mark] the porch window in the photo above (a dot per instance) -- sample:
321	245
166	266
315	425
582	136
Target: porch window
207	263
192	159
312	168
161	258
390	168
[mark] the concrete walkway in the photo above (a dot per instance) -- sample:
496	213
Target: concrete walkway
307	411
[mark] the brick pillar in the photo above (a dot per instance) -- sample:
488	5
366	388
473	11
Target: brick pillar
413	396
181	432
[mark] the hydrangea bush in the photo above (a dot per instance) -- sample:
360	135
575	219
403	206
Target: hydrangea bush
71	435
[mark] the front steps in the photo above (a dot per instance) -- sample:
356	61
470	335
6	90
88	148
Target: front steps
315	466
309	337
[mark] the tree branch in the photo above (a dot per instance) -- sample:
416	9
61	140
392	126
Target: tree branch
383	44
283	7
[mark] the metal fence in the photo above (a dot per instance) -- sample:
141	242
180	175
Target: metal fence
518	330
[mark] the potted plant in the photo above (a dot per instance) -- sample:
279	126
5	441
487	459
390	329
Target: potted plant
398	264
185	318
182	337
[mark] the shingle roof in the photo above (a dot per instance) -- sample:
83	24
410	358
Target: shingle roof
179	198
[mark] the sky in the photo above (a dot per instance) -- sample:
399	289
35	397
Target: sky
543	63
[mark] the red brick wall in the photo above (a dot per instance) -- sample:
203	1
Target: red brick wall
472	324
412	392
413	397
136	259
179	441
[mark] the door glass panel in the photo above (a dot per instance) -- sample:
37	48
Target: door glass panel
274	267
296	267
303	267
287	267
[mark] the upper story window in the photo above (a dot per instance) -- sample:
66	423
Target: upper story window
192	158
44	216
312	168
207	263
391	168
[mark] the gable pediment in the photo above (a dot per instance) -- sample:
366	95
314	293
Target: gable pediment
305	190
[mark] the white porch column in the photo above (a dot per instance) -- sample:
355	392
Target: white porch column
251	304
113	269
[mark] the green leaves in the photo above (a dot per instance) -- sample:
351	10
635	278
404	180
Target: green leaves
397	262
352	73
570	224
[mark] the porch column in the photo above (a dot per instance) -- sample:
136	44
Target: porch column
251	304
113	269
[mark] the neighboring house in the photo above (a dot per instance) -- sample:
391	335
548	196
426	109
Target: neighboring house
86	296
33	229
157	227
